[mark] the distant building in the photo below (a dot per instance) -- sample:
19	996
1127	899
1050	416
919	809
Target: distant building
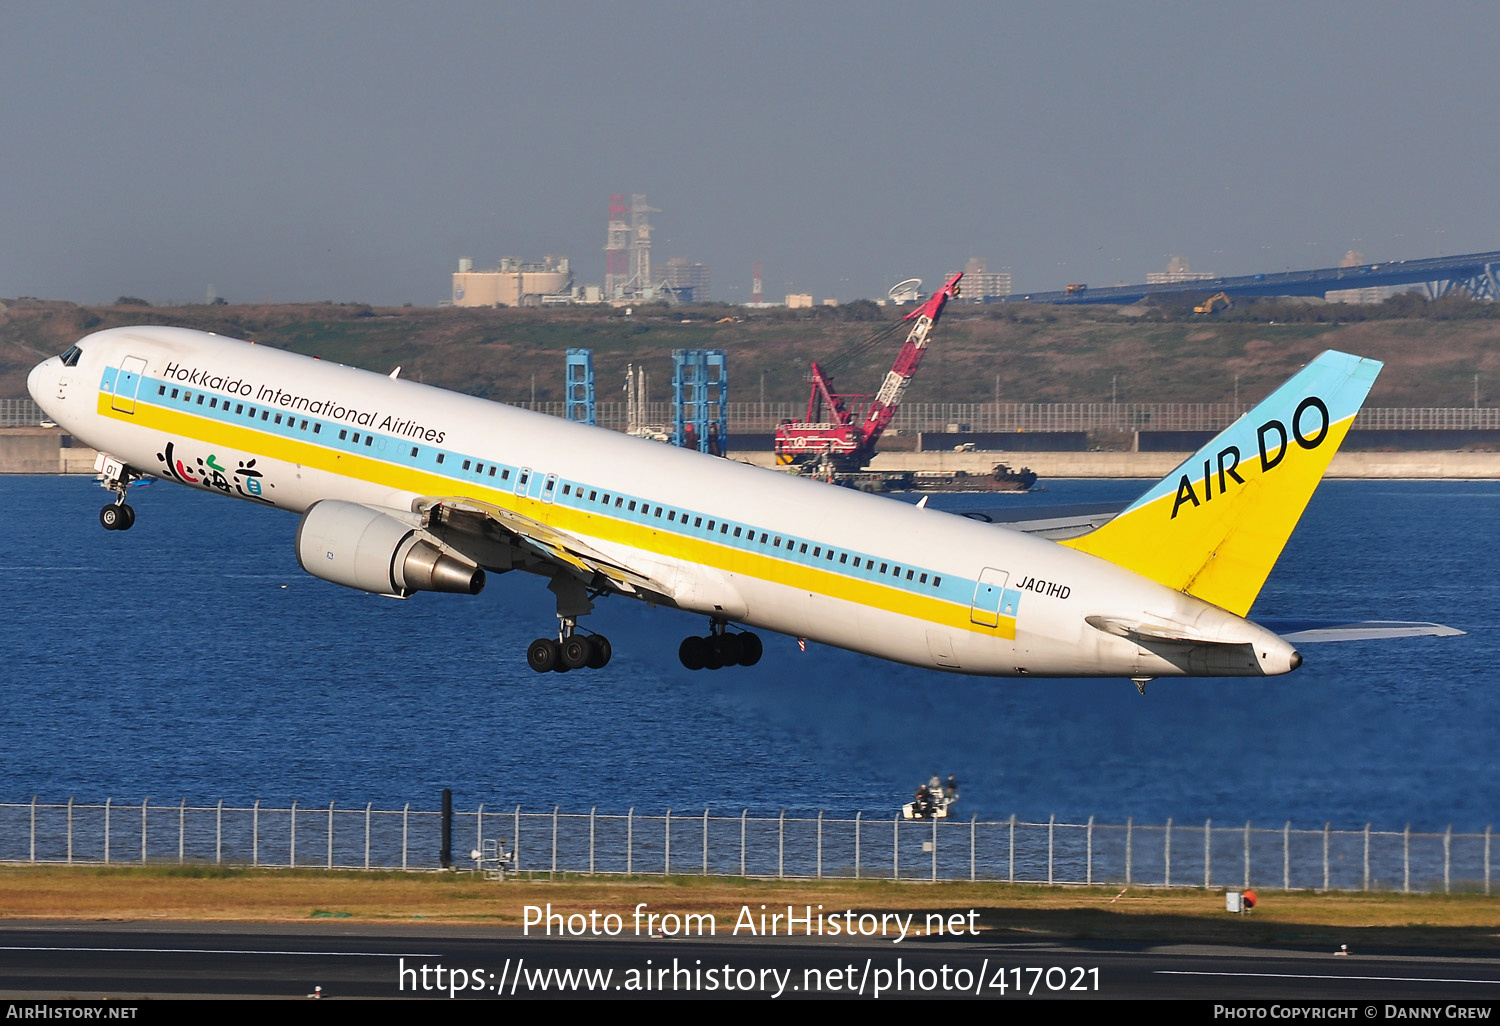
1378	294
799	300
689	282
980	284
1177	271
513	283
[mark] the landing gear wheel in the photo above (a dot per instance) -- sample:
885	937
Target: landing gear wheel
117	517
730	649
750	649
693	652
542	655
574	651
599	652
714	657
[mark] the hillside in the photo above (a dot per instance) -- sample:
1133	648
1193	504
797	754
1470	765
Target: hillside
1017	353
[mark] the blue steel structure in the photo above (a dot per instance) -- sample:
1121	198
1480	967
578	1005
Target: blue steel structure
1478	273
700	400
579	386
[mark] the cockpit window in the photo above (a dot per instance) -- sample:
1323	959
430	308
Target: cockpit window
70	358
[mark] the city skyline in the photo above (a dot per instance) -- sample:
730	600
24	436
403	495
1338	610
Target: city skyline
308	152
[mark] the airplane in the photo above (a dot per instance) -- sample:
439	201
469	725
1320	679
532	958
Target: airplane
403	487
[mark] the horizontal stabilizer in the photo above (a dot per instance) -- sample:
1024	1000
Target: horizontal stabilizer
1312	632
1139	631
1054	522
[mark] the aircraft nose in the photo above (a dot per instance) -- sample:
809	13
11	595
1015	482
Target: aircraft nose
34	380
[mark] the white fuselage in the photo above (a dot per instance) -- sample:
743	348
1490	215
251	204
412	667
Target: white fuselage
753	546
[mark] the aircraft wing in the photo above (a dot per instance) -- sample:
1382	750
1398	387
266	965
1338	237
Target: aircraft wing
1311	632
469	524
1047	521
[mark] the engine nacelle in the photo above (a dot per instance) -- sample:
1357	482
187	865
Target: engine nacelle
376	550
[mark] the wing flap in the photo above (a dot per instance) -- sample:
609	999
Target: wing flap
545	541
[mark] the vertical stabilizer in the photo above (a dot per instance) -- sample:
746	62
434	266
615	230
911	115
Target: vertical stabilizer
1215	526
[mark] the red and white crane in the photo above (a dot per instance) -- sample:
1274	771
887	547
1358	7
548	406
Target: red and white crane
841	429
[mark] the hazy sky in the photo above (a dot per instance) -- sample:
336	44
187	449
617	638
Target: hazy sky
354	151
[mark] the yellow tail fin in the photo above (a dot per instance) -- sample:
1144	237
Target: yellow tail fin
1215	526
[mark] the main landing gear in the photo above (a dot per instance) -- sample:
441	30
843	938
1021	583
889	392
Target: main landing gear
571	650
719	649
117	516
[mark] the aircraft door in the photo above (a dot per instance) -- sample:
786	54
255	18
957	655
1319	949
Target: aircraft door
126	384
989	592
549	487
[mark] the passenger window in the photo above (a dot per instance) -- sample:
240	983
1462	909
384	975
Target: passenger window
278	416
200	398
355	439
317	426
567	489
937	581
803	549
492	470
265	414
724	529
776	542
762	537
883	567
658	512
894	573
213	404
698	522
342	434
239	408
440	458
619	501
505	474
161	389
368	440
414	452
303	427
736	532
466	464
856	562
187	397
632	505
909	574
479	468
671	514
594	496
174	393
922	579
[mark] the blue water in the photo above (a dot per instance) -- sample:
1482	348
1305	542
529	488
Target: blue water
191	658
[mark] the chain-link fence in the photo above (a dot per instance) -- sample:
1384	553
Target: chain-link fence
981	417
781	846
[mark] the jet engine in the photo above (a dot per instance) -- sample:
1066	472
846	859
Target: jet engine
378	550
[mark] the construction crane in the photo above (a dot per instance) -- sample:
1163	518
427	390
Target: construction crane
840	430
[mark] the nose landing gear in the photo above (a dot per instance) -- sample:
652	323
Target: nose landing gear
116	476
